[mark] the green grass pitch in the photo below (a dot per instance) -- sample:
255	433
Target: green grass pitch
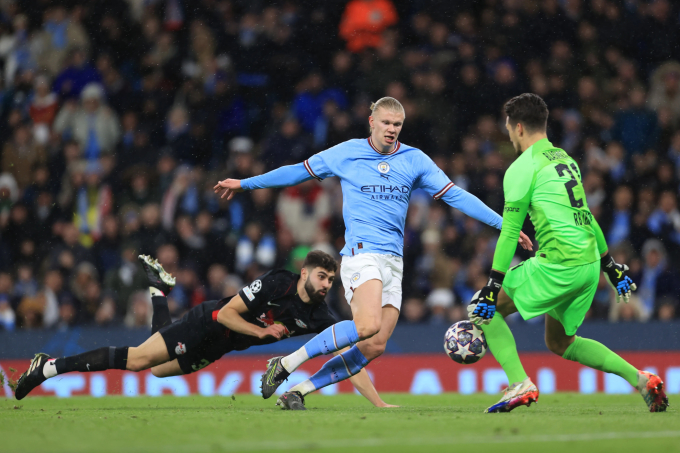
345	423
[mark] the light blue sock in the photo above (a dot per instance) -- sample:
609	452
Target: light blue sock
334	338
339	368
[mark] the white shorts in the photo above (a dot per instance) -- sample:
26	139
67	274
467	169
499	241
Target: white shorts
389	269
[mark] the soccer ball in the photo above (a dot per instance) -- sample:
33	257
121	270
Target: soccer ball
465	343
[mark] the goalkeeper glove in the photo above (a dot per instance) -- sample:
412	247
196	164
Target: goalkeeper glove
618	278
483	304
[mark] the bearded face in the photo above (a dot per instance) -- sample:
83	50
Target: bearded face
316	295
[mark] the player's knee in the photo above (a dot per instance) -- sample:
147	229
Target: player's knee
138	364
156	371
368	329
556	346
373	350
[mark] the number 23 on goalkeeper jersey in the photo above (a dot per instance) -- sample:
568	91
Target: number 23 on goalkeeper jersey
546	183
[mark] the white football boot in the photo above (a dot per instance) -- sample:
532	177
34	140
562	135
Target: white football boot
520	394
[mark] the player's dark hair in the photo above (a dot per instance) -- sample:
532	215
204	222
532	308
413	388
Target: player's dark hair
528	109
317	258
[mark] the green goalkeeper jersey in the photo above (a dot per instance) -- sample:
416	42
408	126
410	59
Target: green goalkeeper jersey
546	183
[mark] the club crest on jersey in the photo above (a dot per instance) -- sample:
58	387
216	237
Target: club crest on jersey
300	324
180	349
355	278
383	167
256	286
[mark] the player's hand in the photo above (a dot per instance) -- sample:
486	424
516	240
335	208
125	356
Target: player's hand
617	276
482	308
228	187
277	331
525	242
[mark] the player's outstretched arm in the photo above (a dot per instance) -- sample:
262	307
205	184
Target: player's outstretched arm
230	317
286	176
362	382
433	180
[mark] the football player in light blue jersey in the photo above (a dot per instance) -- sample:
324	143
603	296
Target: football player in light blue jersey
377	175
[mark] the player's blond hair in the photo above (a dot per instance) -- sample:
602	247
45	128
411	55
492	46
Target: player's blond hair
387	103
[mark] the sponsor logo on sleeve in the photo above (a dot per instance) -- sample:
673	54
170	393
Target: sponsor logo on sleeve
249	294
300	323
256	286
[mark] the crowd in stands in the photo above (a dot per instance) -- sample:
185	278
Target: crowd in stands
117	117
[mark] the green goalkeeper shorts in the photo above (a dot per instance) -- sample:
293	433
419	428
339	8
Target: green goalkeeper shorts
565	293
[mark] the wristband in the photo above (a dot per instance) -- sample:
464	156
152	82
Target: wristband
495	275
606	261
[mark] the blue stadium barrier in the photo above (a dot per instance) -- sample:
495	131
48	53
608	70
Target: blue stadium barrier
421	338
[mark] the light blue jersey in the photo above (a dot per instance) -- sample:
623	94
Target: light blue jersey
376	190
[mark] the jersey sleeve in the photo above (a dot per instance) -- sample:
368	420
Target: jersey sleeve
318	166
261	291
433	180
289	175
518	188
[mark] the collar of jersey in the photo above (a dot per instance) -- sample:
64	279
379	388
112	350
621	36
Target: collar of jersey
540	145
396	148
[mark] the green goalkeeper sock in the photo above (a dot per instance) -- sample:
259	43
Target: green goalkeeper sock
596	355
502	344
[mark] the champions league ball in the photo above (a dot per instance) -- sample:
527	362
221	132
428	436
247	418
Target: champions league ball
465	343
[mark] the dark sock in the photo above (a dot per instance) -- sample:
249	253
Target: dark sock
161	313
109	358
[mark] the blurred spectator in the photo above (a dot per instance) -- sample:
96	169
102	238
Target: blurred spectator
217	279
413	310
621	217
636	126
93	125
15	49
665	89
125	279
255	247
61	34
439	302
626	312
655	279
141	190
70	82
288	145
177	136
303	210
151	235
667	308
139	310
364	21
7	316
308	105
93	200
664	222
43	109
21	154
55	296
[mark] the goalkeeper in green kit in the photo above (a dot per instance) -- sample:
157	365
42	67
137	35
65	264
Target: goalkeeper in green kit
561	280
